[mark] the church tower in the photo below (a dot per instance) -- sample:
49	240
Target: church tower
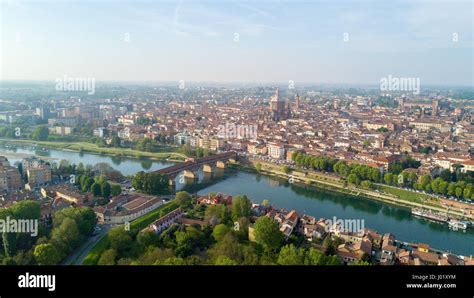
277	106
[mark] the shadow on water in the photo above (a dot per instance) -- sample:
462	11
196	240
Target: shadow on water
397	213
344	200
44	153
116	160
146	164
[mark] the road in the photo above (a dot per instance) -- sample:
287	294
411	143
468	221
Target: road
77	257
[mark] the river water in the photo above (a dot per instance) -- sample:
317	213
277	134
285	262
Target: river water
379	216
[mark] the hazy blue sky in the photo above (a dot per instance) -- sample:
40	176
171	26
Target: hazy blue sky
277	40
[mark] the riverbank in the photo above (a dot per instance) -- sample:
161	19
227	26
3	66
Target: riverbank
94	149
384	193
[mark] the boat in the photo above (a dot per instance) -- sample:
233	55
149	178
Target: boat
458	224
430	215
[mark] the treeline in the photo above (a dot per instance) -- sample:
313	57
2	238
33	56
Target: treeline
150	183
16	248
67	168
39	133
198	152
223	242
53	243
447	184
71	226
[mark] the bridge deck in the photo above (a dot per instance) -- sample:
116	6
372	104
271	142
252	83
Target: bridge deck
190	164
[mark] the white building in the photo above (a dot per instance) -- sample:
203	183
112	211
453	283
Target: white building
276	151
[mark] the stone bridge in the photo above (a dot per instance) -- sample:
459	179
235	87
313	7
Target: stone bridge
190	166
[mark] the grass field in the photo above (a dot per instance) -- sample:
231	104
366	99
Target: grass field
407	195
93	148
140	223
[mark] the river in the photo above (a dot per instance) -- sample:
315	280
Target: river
379	216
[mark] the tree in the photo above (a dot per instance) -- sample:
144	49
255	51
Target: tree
174	261
66	236
314	257
328	245
267	233
108	257
388	178
217	214
220	231
147	238
138	179
46	254
258	166
451	188
116	190
183	199
87	184
145	144
84	218
226	261
80	168
291	255
9	243
184	244
467	191
425	180
150	183
20	169
95	189
105	189
115	142
341	168
458	192
241	207
120	240
40	133
331	260
366	184
286	169
361	263
229	247
352	178
375	175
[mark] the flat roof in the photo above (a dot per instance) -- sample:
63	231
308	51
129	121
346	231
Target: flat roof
135	203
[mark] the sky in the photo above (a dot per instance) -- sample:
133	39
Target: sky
351	42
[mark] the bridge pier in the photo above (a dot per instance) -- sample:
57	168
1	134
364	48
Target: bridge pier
207	169
190	174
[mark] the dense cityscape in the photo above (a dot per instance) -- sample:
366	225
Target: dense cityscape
403	149
236	148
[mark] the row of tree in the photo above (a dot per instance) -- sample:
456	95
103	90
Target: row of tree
365	176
